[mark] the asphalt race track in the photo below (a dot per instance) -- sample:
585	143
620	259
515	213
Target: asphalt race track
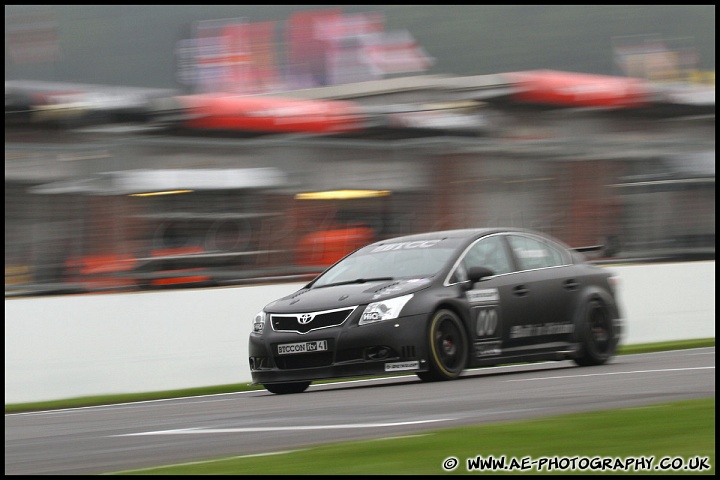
122	437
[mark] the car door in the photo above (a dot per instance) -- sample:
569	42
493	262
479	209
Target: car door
498	304
545	271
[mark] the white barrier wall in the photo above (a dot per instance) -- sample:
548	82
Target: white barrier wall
81	345
668	301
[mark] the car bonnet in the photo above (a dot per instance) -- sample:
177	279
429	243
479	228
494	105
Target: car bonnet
340	296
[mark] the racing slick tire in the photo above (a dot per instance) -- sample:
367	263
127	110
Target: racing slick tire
597	335
447	347
284	388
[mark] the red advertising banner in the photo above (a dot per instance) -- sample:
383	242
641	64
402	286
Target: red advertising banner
347	55
263	76
270	114
322	47
579	90
306	62
230	56
235	61
219	54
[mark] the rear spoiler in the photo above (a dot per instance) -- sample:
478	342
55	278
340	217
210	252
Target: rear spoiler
590	248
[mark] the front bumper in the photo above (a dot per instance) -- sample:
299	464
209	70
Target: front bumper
390	346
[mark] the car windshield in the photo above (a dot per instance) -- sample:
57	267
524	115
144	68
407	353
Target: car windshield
388	261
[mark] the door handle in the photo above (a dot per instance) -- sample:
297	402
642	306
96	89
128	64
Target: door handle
520	290
571	284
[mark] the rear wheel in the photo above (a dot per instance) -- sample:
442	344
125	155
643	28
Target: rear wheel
597	335
448	347
283	388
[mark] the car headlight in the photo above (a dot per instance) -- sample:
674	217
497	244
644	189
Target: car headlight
384	310
259	322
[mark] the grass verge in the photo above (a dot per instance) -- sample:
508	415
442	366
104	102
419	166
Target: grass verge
679	434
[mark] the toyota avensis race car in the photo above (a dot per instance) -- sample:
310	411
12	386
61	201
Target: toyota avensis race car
435	304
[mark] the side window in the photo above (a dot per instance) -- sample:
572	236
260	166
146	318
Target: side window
557	256
532	253
488	252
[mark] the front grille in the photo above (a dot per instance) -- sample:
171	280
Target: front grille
307	322
309	360
350	354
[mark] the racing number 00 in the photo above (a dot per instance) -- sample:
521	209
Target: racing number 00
487	321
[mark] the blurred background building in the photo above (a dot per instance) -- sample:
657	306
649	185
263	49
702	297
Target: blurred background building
267	164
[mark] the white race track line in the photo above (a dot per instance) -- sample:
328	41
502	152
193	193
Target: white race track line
613	373
345	426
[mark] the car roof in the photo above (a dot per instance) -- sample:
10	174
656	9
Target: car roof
457	233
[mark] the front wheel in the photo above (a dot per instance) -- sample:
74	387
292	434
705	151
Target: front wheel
597	335
448	347
283	388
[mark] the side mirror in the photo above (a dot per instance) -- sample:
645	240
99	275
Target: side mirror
476	274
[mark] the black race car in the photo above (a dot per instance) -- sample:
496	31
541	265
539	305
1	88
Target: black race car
436	304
